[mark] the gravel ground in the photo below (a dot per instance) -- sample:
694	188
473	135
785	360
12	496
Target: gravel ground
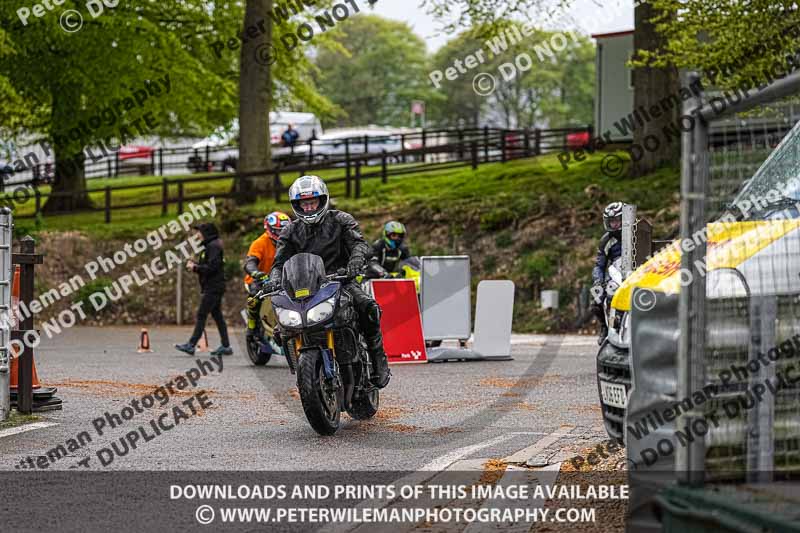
462	416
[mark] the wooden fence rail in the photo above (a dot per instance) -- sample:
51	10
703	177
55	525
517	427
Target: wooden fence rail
472	148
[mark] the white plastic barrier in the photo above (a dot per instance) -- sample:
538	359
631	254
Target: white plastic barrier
446	297
494	314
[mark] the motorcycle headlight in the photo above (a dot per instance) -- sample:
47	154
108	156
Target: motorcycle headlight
321	312
289	318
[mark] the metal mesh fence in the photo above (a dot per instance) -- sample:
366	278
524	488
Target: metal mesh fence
751	312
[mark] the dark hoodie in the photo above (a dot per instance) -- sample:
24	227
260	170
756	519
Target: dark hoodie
211	261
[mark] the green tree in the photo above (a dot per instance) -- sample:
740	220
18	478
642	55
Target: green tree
577	84
51	80
537	88
270	77
653	84
739	42
255	101
376	73
457	103
63	80
653	81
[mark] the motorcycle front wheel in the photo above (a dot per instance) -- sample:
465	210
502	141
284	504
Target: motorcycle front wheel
257	357
320	401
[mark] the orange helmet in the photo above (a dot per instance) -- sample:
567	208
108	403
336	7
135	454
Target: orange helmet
274	224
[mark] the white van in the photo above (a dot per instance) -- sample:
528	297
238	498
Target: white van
223	146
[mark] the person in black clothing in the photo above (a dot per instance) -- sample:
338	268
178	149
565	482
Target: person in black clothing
211	275
389	250
336	238
609	250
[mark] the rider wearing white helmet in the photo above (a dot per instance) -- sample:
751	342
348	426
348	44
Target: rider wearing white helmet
335	237
610	249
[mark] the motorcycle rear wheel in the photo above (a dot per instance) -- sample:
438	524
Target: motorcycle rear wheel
322	407
366	405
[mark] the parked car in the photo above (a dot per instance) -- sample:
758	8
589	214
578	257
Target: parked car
334	145
222	146
136	160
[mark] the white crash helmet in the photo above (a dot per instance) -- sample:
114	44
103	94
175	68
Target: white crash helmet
306	187
612	217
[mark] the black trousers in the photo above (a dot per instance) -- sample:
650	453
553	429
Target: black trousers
599	312
210	303
369	313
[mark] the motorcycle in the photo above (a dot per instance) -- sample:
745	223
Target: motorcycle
317	329
260	350
614	279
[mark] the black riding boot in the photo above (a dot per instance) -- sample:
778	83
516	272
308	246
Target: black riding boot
380	365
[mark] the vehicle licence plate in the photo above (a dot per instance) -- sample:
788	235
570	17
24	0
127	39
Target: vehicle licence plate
614	394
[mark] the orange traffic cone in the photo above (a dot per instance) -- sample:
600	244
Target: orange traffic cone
14	346
144	342
44	398
15	370
202	345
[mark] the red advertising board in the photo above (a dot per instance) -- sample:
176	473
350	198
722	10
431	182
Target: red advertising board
401	322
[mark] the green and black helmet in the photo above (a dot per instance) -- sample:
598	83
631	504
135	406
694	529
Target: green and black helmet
393	234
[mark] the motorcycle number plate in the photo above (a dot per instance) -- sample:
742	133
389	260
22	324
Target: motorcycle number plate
614	394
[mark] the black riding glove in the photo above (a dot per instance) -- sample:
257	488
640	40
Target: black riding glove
270	286
354	269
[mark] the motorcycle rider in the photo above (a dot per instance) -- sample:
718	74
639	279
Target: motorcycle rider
609	250
335	237
258	263
389	250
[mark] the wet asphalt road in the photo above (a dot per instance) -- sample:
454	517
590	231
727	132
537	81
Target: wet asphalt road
431	416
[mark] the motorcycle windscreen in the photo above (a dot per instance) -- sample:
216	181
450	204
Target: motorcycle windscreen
303	275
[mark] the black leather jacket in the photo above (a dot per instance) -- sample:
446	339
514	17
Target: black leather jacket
336	239
387	257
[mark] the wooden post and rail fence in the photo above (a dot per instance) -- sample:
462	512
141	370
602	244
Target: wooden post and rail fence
460	148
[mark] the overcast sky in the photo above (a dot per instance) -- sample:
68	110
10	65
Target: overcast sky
615	15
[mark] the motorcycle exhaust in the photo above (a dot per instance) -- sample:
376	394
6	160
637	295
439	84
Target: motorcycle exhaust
349	384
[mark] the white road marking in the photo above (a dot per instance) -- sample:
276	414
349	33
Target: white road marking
441	463
469	465
27	427
526	453
566	340
521	476
427	473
